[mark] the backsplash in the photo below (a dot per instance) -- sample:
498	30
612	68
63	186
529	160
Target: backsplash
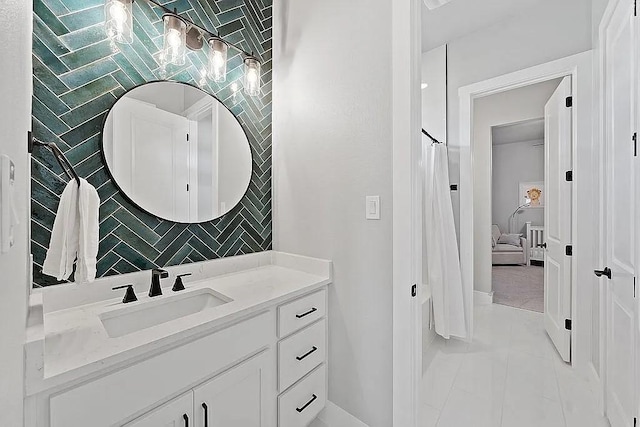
77	77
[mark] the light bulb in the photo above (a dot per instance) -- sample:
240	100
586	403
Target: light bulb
217	59
173	38
251	76
119	21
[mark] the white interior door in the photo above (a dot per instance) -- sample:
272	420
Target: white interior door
151	155
621	186
557	218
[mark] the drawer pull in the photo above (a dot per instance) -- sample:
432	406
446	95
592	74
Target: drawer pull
308	353
307	404
206	414
185	417
300	316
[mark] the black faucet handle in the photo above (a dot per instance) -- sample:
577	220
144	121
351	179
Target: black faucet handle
178	285
129	295
163	274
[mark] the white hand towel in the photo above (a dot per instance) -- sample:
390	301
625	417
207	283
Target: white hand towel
88	208
64	237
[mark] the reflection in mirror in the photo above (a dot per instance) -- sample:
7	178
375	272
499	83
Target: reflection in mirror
177	152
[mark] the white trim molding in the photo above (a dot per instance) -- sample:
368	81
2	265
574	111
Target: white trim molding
482	298
585	161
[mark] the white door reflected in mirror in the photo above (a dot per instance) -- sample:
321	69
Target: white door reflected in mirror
177	152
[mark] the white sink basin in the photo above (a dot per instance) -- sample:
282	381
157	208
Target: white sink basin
134	317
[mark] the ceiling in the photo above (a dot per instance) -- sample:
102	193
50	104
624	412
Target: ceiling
529	130
461	17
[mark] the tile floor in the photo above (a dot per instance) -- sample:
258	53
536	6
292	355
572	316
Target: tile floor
509	376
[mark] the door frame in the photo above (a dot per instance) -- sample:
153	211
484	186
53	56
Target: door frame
584	239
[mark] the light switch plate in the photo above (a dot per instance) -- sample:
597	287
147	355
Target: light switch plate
373	207
8	217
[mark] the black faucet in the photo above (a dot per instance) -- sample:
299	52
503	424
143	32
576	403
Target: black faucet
156	275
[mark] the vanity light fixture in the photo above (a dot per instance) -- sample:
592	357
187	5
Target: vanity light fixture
118	20
251	76
179	34
218	49
175	39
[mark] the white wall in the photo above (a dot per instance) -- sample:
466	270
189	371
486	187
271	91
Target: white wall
15	121
552	30
332	146
512	164
434	96
512	106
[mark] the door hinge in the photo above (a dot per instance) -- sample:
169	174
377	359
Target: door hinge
414	290
635	422
569	101
635	13
634	138
568	250
187	137
634	287
568	176
187	187
567	324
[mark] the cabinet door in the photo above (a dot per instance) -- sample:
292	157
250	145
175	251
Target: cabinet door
237	398
175	413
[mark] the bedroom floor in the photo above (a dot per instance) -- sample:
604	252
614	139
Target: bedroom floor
519	286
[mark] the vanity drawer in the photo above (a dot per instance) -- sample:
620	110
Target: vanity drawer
301	404
301	312
300	353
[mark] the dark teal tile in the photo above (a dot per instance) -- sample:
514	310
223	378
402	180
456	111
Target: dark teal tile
89	91
87	55
84	37
40	235
150	220
140	67
84	18
134	257
170	236
180	255
84	151
43	12
174	247
44	115
195	256
124	267
81	76
98	177
50	80
108	225
97	106
46	35
45	197
132	239
106	262
57	7
108	207
89	165
197	244
48	57
41	214
181	6
163	227
107	244
75	5
123	80
137	226
48	98
83	132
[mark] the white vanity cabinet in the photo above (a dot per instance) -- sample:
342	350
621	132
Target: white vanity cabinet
266	368
176	413
236	398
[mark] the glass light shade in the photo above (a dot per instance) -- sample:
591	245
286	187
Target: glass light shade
175	40
118	20
218	50
251	76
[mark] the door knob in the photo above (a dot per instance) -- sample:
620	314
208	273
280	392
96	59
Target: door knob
605	272
544	245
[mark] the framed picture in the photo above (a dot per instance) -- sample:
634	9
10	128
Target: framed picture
532	193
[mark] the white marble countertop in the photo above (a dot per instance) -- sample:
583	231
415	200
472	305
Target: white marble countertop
71	344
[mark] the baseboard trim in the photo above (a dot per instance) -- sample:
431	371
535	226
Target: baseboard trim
483	298
334	416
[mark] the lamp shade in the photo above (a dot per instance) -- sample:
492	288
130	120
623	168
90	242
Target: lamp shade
218	51
252	76
118	21
175	40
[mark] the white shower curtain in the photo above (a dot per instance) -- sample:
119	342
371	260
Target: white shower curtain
443	274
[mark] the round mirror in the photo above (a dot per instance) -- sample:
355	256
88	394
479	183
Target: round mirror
176	152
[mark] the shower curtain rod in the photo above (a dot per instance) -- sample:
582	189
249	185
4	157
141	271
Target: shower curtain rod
435	141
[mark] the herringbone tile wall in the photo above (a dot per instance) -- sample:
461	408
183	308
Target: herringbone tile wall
77	77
